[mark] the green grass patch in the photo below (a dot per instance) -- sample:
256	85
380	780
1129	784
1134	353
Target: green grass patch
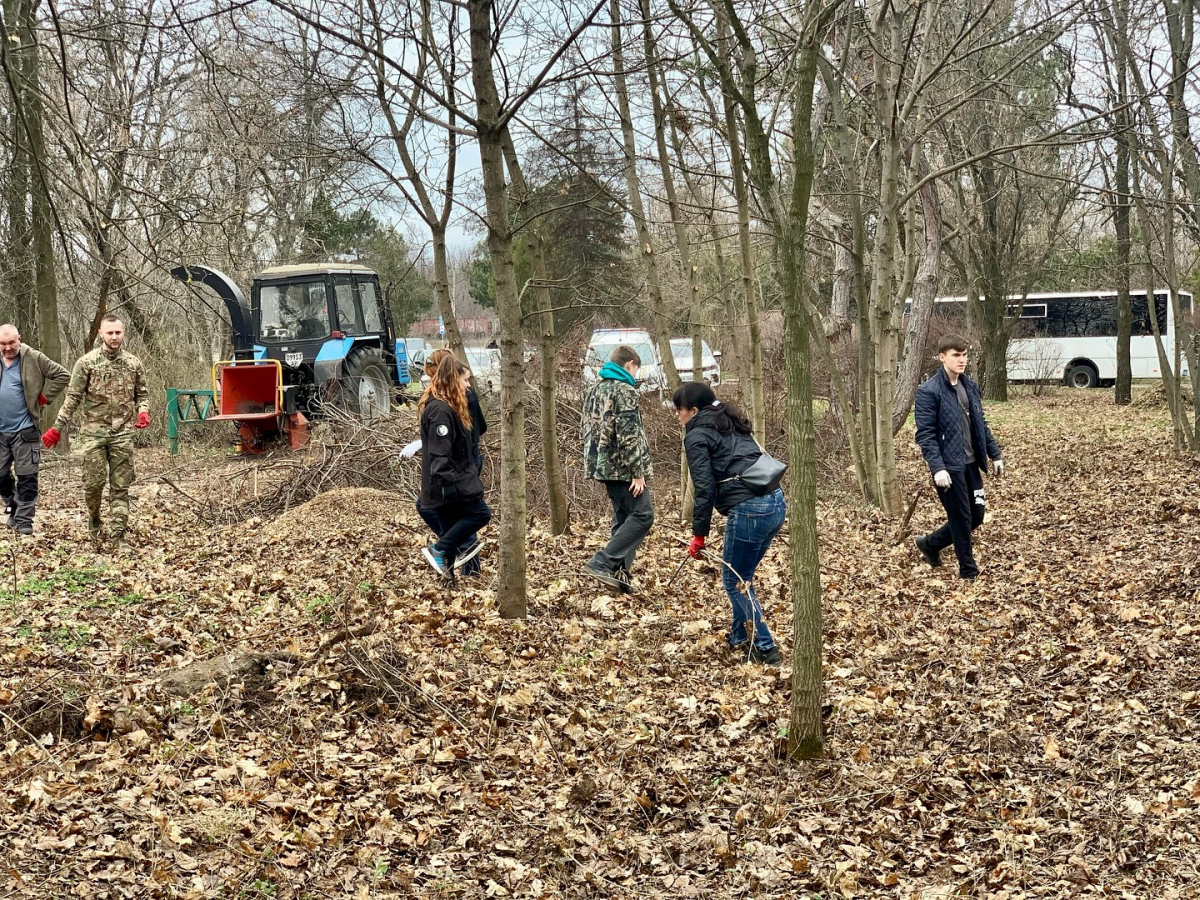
70	637
70	581
320	608
114	602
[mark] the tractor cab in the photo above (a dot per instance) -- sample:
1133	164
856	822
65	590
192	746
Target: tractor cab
314	337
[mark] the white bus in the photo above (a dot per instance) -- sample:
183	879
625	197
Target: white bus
1073	337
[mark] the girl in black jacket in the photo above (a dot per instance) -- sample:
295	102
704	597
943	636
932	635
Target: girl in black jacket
450	484
479	428
719	442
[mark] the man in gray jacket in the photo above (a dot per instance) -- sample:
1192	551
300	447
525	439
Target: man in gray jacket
29	380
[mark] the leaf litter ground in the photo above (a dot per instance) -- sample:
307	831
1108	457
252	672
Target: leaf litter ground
1029	735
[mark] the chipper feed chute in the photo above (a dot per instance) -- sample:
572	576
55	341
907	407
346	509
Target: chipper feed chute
250	394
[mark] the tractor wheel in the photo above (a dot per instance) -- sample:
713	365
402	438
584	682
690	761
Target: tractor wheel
365	386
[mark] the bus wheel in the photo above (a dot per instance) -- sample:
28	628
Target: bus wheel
1083	376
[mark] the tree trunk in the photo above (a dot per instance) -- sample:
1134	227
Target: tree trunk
995	364
923	293
511	594
788	219
1123	391
661	329
884	328
741	194
42	213
441	290
556	489
16	55
804	717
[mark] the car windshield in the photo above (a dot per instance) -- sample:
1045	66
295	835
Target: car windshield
681	349
295	311
481	360
598	354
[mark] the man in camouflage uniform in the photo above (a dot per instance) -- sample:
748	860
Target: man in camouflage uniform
108	386
616	453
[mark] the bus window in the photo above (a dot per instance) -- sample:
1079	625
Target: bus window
1141	314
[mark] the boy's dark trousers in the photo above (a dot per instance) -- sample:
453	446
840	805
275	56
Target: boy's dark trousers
965	505
631	521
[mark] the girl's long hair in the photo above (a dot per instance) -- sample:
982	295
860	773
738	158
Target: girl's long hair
432	360
446	388
698	395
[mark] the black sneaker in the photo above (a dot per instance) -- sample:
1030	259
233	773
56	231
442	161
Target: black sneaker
608	578
627	585
765	657
468	553
94	528
23	528
934	559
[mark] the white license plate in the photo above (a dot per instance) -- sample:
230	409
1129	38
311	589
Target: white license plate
293	359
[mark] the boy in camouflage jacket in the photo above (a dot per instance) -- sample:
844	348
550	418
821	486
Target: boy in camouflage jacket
108	387
617	454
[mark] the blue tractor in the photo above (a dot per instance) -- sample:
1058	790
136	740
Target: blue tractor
313	337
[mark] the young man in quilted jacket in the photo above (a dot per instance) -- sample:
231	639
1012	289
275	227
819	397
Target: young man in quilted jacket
956	442
617	454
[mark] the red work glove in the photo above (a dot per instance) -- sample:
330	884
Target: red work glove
51	438
696	547
42	401
143	420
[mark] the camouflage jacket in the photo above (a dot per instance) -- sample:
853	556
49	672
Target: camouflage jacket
614	442
109	390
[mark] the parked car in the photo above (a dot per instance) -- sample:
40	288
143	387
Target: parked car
681	349
418	349
651	376
605	340
485	366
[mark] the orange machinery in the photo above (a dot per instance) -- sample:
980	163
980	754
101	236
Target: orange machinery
250	394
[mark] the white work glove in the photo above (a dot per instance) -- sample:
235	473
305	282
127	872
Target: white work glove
941	478
998	468
408	451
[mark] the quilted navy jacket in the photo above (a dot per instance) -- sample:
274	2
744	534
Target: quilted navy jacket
939	425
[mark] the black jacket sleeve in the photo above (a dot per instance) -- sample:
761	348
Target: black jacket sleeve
478	422
704	480
439	444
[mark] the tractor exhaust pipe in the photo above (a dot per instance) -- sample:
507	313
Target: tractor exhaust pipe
235	301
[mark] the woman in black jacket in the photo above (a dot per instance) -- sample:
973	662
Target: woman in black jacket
720	445
450	483
479	428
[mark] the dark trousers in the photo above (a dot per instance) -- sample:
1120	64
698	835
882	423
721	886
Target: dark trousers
631	521
460	521
965	504
20	455
434	521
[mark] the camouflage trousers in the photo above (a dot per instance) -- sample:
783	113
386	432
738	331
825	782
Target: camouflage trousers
108	457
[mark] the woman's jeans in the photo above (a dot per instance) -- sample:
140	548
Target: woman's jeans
749	530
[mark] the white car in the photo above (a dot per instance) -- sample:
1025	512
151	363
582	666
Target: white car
485	366
605	340
681	349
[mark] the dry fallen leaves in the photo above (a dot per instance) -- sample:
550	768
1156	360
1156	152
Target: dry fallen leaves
1032	734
